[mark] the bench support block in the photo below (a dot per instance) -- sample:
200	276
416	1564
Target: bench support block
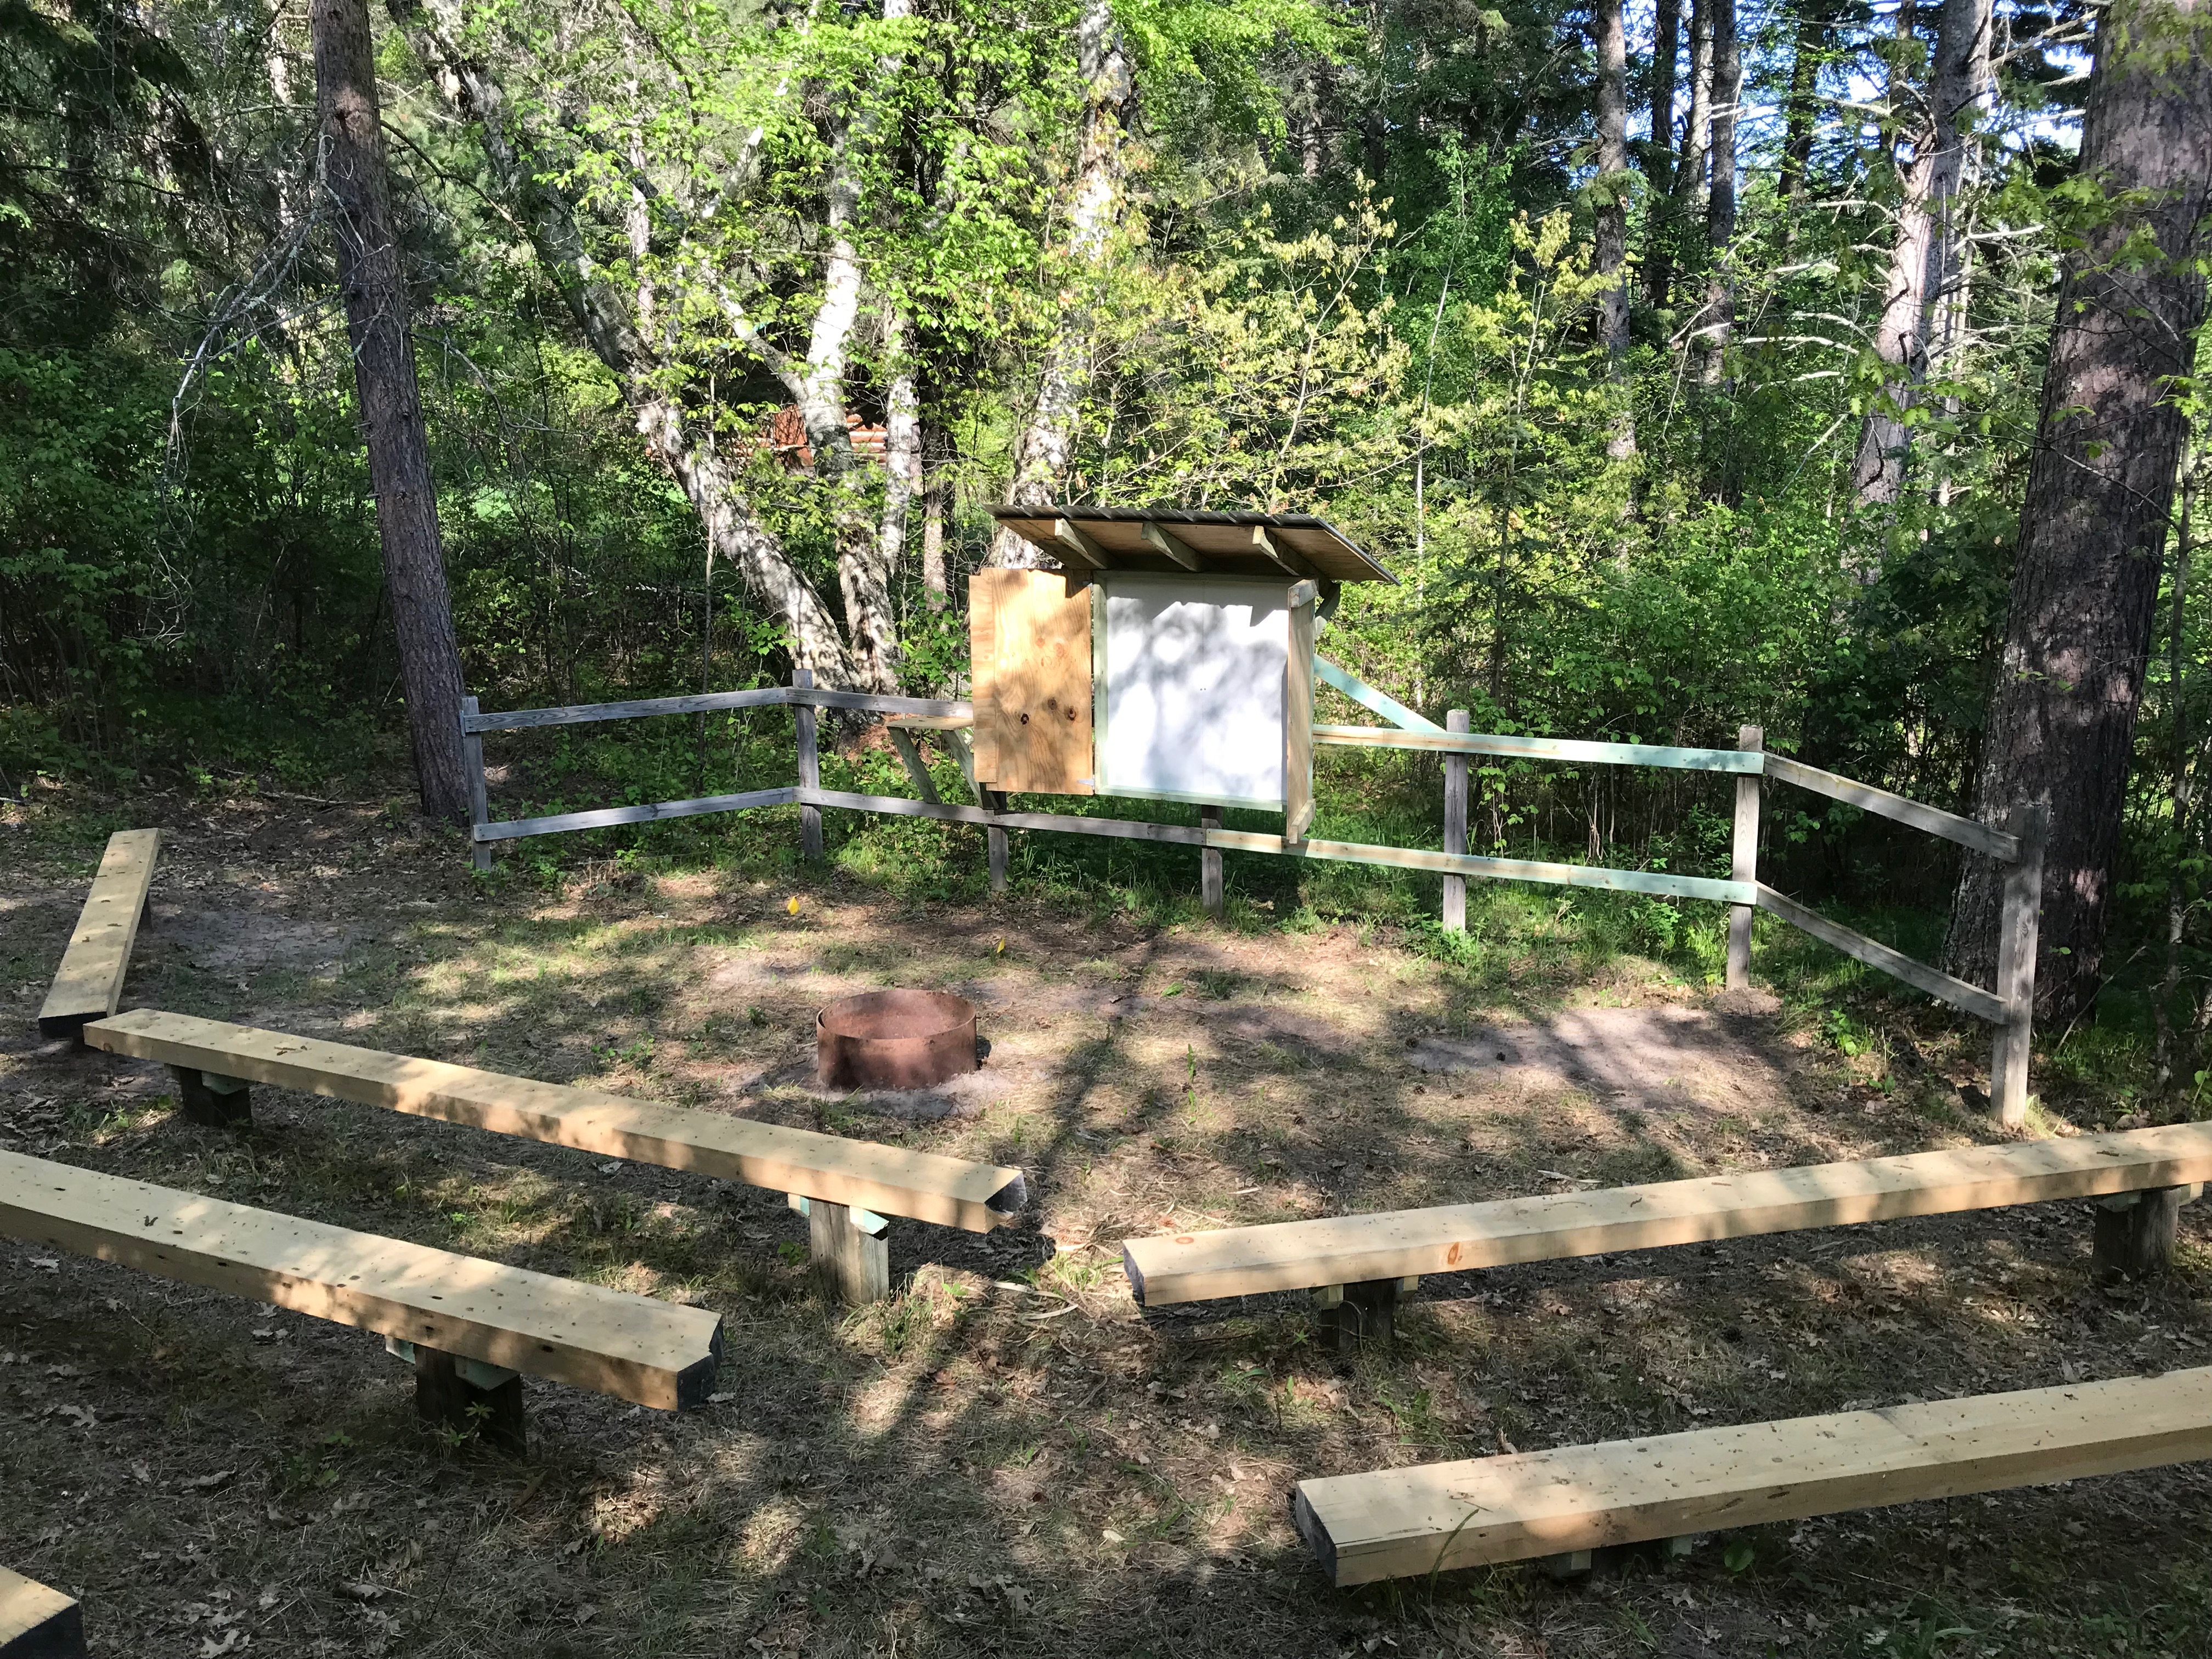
212	1099
1349	1317
851	1248
480	1401
2134	1233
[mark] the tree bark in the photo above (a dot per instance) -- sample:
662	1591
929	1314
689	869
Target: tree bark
936	492
1690	175
2179	901
902	441
1659	154
1923	294
2100	488
1610	256
1720	197
603	318
1801	104
1046	445
375	294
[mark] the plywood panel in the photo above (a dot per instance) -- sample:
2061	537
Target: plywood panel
1399	1522
1194	689
656	1353
1029	661
889	1180
89	983
1454	1238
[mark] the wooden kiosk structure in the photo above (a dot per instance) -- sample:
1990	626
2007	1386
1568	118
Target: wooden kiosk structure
1169	658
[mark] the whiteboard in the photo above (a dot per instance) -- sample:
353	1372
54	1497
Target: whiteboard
1189	672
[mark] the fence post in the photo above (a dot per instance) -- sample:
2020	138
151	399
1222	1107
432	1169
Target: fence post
809	766
479	807
2016	939
1455	826
994	838
1743	863
1209	865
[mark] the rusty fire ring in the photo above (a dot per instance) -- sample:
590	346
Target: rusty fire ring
894	1040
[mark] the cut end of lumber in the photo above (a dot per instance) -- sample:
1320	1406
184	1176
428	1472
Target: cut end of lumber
1133	1273
1311	1529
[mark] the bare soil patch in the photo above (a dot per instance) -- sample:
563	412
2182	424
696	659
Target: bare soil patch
1008	1457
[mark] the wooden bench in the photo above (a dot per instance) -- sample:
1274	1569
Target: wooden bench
468	1325
1397	1523
88	984
849	1186
1360	1264
36	1622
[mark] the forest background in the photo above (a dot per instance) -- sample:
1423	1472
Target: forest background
1684	362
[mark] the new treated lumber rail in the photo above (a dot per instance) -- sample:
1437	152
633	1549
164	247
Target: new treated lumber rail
88	984
2008	1006
37	1622
1391	1246
1398	1524
479	1319
867	1180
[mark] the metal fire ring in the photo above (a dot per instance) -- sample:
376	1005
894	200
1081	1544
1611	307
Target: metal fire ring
894	1040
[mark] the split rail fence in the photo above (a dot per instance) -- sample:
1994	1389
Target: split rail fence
2017	845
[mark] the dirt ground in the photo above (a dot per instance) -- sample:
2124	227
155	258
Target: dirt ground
1008	1457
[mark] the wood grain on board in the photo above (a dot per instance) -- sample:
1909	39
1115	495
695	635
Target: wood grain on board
89	982
889	1180
656	1353
1289	1255
1396	1523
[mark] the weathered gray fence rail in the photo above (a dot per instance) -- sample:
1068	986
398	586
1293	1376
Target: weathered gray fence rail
2019	846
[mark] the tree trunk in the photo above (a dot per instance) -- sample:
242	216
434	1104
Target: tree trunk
1690	176
1659	155
1924	260
1611	188
602	316
2179	899
1960	86
936	489
1047	441
375	293
2099	487
1801	104
1720	200
902	441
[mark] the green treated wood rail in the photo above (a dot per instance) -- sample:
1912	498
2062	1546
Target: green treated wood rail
2017	844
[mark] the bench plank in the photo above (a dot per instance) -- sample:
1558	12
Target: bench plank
1291	1256
1399	1522
889	1180
37	1622
89	983
656	1353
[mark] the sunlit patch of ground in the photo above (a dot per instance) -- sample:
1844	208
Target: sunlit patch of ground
1008	1456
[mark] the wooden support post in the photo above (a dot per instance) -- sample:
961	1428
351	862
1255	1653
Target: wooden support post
2016	986
1743	864
1351	1316
213	1100
1574	1563
994	838
2134	1233
910	757
479	1400
810	767
1209	865
1455	826
962	745
37	1622
1298	717
479	802
851	1248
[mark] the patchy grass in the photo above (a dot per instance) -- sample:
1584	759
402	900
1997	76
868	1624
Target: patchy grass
1007	1456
